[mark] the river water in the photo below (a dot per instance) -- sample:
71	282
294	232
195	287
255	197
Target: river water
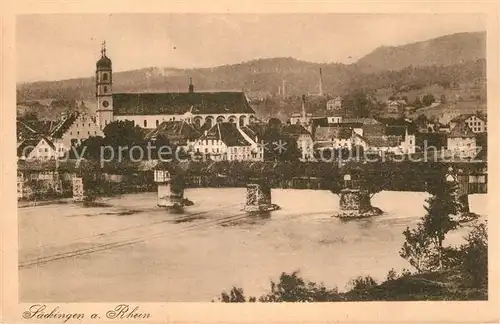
129	249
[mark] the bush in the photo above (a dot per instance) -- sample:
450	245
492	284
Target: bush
475	256
362	283
235	296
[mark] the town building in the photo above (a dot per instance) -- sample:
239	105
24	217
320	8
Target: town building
476	122
303	139
149	110
333	137
39	149
396	106
176	133
227	141
385	144
334	104
461	141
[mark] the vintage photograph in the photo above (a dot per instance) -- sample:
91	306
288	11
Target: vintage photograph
265	158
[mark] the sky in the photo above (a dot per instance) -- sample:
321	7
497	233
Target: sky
63	46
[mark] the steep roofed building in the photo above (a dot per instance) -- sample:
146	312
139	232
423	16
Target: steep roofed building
149	110
227	141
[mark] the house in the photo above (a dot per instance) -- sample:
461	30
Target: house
226	141
384	144
402	128
39	149
297	118
395	106
461	141
75	128
303	139
334	104
177	133
365	126
476	122
334	137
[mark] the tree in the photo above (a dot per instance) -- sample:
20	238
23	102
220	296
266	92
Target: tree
423	247
428	99
358	103
416	248
292	288
123	133
475	256
90	149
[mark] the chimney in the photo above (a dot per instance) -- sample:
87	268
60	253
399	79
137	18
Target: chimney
303	108
320	82
191	86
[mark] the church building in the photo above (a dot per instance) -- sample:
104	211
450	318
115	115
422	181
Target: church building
149	110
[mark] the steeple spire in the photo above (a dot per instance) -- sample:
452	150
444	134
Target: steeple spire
103	49
191	86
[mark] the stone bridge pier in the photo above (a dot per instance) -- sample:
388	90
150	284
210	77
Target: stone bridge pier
355	200
258	196
78	189
170	189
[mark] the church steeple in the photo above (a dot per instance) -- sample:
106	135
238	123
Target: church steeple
103	49
104	62
191	86
104	88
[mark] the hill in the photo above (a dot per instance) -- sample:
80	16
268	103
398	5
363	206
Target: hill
445	50
447	61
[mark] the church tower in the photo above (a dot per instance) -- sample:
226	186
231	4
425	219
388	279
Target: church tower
104	90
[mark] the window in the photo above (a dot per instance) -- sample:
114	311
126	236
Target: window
157	123
105	77
88	133
105	89
78	133
145	123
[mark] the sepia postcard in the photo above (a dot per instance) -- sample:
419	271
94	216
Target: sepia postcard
281	162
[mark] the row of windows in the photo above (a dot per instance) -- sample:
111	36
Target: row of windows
210	142
197	121
475	123
78	133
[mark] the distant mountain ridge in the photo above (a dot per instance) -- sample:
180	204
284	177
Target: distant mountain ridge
445	50
263	77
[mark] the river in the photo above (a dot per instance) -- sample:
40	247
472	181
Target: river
129	249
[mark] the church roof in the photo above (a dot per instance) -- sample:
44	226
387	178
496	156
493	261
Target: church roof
104	63
180	103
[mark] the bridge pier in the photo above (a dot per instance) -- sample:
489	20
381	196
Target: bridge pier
170	189
258	197
78	189
355	200
170	194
